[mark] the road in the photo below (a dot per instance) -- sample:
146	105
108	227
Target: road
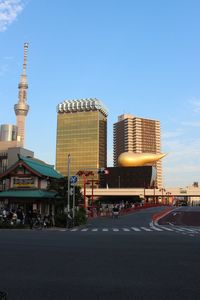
183	215
107	259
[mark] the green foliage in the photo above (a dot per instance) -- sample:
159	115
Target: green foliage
60	220
61	187
80	217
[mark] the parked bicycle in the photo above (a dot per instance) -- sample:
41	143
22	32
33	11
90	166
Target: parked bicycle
38	223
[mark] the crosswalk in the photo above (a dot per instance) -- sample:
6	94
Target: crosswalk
149	229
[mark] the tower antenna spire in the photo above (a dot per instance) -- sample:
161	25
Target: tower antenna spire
25	57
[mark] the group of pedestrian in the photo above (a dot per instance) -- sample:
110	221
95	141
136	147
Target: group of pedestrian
107	210
35	219
12	216
32	218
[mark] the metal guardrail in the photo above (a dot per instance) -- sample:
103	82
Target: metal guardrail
3	295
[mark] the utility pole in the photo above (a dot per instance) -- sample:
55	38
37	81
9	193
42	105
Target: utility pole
68	184
73	207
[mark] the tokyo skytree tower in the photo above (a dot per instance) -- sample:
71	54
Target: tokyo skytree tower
22	108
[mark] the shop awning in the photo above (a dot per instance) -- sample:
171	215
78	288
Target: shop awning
28	194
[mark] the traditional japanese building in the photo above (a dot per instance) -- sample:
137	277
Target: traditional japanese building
26	185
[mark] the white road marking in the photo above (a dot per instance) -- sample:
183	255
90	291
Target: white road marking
156	228
178	229
135	229
191	230
182	230
166	228
146	229
126	229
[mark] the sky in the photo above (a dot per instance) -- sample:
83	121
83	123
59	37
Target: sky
137	56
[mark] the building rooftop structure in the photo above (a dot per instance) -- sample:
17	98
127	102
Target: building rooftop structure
9	156
38	167
78	105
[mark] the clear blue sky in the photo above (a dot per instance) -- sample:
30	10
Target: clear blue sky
137	56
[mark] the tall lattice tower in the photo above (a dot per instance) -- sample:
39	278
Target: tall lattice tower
22	108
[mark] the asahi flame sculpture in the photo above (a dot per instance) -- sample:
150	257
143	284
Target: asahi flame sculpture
131	159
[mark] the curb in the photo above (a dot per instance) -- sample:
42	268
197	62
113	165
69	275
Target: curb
156	217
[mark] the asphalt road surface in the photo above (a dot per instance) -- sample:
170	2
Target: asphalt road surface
183	215
126	258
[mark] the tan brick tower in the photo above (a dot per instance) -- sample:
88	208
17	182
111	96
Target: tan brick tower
21	108
138	135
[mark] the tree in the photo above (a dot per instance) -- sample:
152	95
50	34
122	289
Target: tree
61	187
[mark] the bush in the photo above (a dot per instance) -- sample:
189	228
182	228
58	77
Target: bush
60	220
80	217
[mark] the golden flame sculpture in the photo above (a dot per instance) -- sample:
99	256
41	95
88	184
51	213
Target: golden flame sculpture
131	159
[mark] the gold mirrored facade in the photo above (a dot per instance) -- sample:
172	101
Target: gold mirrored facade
82	133
131	159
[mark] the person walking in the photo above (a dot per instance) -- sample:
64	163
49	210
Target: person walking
29	217
69	220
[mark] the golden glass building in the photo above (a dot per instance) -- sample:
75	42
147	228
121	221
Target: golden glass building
82	133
